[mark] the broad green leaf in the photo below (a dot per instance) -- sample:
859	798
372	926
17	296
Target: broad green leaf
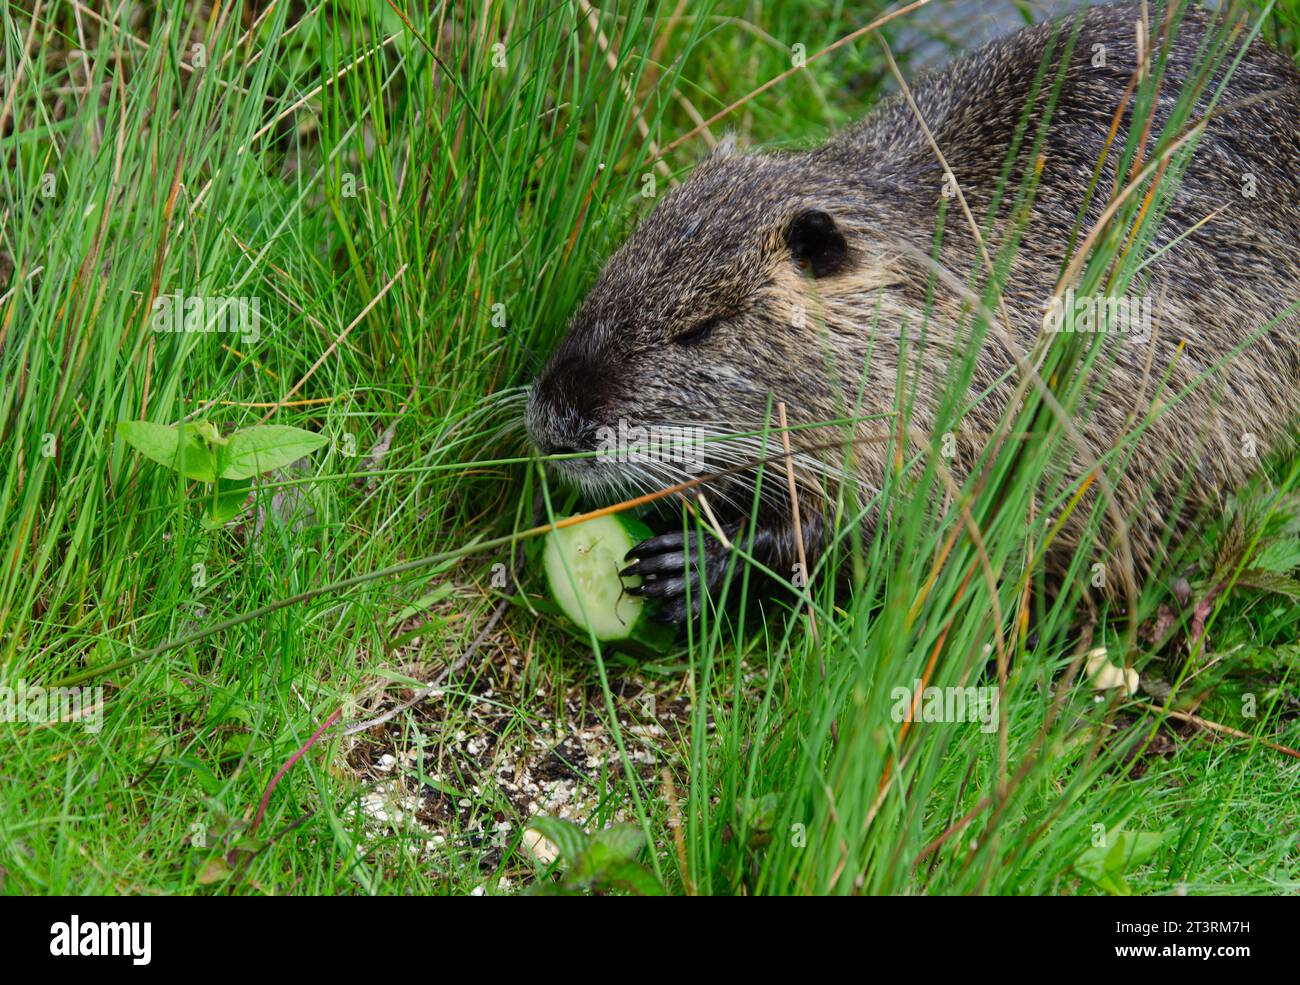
632	878
266	447
1105	866
606	850
608	862
1282	556
1134	848
569	839
1091	865
228	501
167	445
622	841
762	812
1269	581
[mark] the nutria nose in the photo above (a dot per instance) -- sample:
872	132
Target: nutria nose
549	444
552	425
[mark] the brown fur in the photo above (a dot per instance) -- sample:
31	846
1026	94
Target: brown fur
722	254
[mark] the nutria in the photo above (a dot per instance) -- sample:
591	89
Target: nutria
787	276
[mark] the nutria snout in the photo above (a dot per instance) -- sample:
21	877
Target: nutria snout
809	277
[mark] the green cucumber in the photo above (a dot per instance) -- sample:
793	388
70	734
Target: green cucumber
582	564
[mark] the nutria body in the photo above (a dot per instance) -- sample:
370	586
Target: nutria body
808	277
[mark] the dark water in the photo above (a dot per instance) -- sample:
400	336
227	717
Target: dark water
933	34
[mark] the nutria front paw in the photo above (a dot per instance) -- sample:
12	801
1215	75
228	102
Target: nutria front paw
660	562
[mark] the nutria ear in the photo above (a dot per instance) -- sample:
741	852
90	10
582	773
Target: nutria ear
816	243
723	151
726	147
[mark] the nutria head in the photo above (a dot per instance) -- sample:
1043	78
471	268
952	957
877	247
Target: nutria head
700	319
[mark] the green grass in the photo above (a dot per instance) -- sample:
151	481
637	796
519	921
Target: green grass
419	207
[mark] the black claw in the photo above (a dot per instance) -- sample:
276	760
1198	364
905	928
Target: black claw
662	588
657	565
658	545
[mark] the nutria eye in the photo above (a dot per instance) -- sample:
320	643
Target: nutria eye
699	333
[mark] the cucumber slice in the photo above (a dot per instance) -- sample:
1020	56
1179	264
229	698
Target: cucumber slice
582	564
